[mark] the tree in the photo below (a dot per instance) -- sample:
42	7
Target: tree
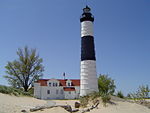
145	90
106	85
141	94
25	70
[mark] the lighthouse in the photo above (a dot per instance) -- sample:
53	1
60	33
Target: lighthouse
88	75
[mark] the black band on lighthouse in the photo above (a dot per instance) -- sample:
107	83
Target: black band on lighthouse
87	17
87	48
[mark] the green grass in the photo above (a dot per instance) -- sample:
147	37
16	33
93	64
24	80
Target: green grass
13	91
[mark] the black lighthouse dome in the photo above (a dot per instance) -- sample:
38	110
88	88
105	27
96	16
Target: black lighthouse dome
86	16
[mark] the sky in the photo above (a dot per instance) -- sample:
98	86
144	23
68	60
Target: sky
121	32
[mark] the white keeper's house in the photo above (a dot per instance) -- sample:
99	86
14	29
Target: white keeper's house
57	88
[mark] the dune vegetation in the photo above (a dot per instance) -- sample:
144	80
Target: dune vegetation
14	91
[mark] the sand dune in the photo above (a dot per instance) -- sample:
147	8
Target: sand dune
13	104
122	107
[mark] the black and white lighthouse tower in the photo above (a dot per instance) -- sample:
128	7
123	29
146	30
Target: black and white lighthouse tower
88	82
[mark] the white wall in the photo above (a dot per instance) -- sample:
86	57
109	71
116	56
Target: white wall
37	90
70	95
52	94
41	91
77	94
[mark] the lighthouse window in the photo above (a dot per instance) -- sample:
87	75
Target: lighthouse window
86	10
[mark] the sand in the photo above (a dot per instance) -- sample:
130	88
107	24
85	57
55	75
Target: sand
122	107
13	104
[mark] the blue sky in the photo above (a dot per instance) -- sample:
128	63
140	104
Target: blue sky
121	28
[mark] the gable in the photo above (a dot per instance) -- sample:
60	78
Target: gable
75	82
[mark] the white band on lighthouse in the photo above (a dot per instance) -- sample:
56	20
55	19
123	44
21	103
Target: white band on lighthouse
88	77
86	28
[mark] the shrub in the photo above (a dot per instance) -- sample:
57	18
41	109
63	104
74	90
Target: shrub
105	99
92	97
120	94
129	96
84	101
106	85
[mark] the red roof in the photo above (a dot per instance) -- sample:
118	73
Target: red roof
69	89
62	82
43	82
75	82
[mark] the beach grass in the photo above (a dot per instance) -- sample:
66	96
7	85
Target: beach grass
14	91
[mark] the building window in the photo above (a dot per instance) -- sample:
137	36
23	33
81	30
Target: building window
48	91
62	91
56	91
69	92
49	84
69	84
55	84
